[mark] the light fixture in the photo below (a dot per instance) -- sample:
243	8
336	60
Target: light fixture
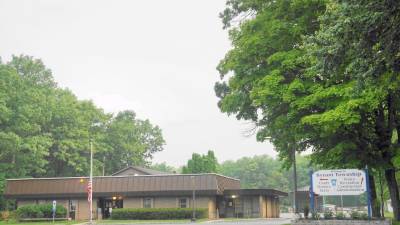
114	198
234	196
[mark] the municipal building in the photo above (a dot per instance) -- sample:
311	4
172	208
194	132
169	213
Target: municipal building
137	187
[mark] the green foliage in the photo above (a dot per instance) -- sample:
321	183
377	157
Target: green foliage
45	130
201	164
340	216
319	75
156	213
355	215
164	167
328	215
266	172
364	216
315	216
40	211
5	215
130	141
265	63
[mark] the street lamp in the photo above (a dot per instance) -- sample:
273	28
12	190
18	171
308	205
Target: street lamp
193	198
90	185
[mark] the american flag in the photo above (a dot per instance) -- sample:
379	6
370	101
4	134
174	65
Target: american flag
89	191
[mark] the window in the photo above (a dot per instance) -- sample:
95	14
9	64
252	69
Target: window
147	202
72	208
72	205
183	203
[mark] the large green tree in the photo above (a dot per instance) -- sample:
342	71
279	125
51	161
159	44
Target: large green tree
355	56
335	94
130	141
265	172
207	163
45	130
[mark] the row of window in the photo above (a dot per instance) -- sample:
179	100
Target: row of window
149	202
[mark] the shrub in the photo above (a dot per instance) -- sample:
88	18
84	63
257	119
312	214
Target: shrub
156	213
5	215
364	216
315	216
306	211
355	215
328	215
340	216
40	211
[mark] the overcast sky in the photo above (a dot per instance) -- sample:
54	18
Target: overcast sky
157	58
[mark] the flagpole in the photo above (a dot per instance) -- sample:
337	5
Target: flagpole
91	183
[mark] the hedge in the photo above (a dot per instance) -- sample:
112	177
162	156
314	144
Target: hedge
156	213
40	211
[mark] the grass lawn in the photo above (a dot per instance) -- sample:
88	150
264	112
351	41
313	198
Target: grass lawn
12	222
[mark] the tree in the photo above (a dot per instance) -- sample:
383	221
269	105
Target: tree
130	141
45	130
355	55
259	75
319	95
201	163
164	167
265	172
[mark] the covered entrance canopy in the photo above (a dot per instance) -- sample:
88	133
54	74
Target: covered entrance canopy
249	203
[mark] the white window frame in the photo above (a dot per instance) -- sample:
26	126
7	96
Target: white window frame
187	202
151	202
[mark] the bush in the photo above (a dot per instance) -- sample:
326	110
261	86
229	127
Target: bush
5	215
315	216
340	216
156	213
364	216
40	211
306	211
328	215
355	215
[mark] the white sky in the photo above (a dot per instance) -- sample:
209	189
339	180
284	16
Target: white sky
157	58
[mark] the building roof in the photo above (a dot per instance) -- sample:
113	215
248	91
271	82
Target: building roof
141	185
139	170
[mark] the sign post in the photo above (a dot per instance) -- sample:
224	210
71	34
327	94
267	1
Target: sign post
341	182
368	193
54	209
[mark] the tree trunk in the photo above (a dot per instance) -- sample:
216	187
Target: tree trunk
390	175
374	199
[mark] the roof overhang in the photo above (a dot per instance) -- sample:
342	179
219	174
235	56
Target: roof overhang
260	191
111	194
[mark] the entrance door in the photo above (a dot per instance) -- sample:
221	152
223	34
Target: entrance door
107	204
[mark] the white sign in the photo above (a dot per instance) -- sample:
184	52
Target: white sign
339	182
